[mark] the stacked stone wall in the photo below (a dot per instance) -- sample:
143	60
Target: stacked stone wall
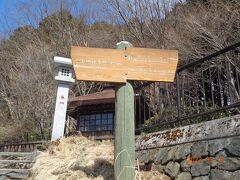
214	156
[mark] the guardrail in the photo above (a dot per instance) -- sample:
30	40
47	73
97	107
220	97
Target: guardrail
205	89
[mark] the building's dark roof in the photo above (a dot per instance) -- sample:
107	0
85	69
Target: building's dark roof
103	97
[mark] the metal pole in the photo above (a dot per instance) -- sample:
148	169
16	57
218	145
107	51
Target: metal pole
178	96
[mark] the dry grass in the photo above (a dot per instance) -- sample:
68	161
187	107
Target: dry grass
75	158
152	175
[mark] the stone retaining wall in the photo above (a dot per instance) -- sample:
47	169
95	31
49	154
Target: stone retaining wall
214	156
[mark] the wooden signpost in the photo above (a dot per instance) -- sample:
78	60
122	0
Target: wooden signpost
97	64
121	65
124	150
150	64
112	65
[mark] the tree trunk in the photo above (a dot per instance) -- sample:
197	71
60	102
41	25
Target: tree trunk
41	130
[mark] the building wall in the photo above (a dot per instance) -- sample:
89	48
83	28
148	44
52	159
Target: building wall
93	110
209	150
141	109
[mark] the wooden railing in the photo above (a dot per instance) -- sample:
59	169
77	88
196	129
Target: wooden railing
20	147
33	145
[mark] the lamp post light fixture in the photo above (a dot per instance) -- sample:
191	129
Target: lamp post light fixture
65	79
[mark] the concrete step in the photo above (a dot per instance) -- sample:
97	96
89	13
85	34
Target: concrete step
14	173
4	178
17	155
16	164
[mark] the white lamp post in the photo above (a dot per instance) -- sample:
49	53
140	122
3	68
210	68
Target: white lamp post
65	79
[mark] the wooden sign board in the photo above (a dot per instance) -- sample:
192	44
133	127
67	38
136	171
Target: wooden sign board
97	64
112	65
151	64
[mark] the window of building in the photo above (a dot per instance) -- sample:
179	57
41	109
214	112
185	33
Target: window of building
96	122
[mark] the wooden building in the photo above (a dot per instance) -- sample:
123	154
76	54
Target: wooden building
95	112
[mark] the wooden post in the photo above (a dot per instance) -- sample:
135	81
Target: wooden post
124	155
